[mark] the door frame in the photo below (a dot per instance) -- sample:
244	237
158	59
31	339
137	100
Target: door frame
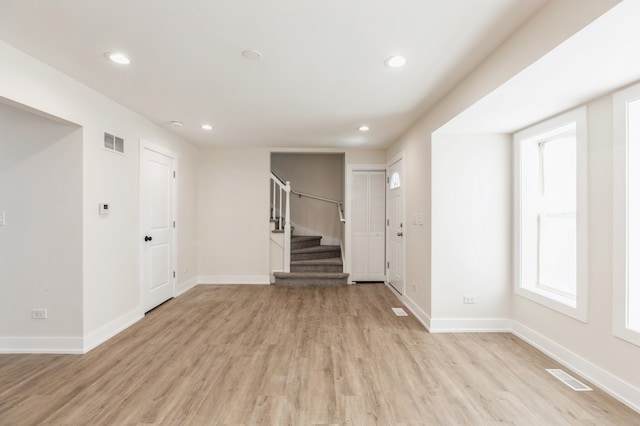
398	157
146	144
348	199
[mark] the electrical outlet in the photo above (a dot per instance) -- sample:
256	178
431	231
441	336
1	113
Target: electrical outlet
469	300
2	218
39	313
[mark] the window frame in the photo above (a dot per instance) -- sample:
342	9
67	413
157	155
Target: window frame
574	308
621	214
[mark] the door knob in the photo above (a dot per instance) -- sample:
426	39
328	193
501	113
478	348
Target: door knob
399	234
148	238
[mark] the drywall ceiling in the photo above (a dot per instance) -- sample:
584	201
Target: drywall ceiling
320	77
598	59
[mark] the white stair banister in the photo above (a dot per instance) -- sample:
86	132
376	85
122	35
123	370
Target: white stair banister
287	228
281	194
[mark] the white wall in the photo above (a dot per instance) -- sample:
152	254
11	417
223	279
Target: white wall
233	211
592	341
233	216
41	243
471	228
110	277
587	348
552	24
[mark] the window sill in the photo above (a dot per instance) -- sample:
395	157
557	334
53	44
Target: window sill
565	305
627	335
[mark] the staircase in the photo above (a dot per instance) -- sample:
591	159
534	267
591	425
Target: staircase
312	264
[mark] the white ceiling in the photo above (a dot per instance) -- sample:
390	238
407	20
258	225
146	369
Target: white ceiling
600	58
321	75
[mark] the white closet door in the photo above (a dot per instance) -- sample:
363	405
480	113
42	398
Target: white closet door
368	226
377	190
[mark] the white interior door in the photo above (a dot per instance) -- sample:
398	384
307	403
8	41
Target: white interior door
157	177
368	225
395	228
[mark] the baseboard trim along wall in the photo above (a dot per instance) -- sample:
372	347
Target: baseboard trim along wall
109	330
186	286
234	279
470	325
614	386
420	315
41	345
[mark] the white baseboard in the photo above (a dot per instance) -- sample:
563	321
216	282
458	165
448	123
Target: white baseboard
109	330
41	345
470	325
272	278
420	315
234	279
614	386
186	286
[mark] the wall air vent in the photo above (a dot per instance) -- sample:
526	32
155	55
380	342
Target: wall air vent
113	143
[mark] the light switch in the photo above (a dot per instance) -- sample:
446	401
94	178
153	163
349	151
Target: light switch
2	218
104	208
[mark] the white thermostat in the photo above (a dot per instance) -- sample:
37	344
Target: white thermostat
104	208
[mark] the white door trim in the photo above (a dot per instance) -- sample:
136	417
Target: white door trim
145	144
348	199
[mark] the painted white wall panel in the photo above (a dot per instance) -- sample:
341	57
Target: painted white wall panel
233	212
110	280
471	220
41	241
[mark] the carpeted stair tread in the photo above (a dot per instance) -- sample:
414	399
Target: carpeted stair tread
316	249
297	238
329	261
312	264
303	241
297	275
310	279
331	264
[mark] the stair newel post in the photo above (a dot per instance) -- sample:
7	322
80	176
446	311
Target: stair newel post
274	196
287	229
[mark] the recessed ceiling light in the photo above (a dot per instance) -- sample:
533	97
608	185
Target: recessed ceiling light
118	58
252	55
177	123
395	61
363	128
206	127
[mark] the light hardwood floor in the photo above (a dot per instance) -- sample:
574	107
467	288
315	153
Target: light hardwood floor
295	356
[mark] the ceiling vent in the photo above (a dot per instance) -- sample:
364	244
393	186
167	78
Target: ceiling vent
113	143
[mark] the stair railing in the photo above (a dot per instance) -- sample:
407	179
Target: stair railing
280	193
328	200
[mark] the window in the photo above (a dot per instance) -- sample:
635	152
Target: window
550	223
395	181
626	218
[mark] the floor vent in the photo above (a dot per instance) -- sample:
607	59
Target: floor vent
573	383
399	312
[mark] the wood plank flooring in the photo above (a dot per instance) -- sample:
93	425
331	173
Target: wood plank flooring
295	356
